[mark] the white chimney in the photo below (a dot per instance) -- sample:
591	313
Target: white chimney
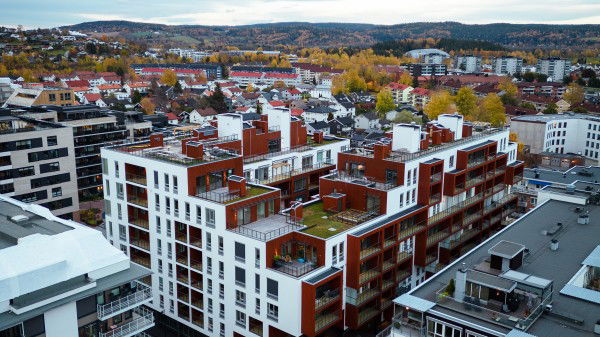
230	124
453	122
406	137
281	118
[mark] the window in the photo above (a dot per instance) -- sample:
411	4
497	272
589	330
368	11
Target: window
209	265
50	167
155	179
52	140
210	217
240	277
170	288
257	257
159	246
413	197
160	266
240	319
401	199
240	298
341	254
210	305
221	291
240	252
168	205
160	284
170	270
157	202
166	182
169	250
408	180
209	286
162	301
260	210
415	176
257	306
122	232
272	289
57	192
257	283
187	210
208	242
120	191
299	184
168	228
334	254
199	215
175	187
119	212
451	161
220	245
176	207
437	328
272	312
117	169
210	324
221	270
158	227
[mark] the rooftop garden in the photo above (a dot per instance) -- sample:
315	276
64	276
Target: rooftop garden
321	223
251	191
311	142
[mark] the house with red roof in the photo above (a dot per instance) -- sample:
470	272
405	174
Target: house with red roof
400	92
172	119
141	87
420	97
94	99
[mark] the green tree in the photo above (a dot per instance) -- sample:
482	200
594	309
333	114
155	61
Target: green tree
217	100
177	89
406	116
136	97
441	102
510	92
466	102
385	102
551	108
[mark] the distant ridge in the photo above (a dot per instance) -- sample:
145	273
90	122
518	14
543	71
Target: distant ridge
305	34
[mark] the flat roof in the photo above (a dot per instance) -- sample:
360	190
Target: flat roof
582	173
506	249
576	243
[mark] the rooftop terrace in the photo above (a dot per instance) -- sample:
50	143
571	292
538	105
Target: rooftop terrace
570	316
324	224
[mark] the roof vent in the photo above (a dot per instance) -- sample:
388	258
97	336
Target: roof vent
554	245
583	219
19	218
570	189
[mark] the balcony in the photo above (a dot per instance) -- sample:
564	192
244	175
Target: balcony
295	268
387	264
499	187
389	241
387	284
224	196
142	294
367	314
136	178
196	264
325	320
328	297
370	250
137	200
386	303
366	295
455	208
411	230
292	173
143	319
436	237
470	218
474	181
435	177
435	198
140	243
140	222
517	178
475	160
429	259
141	260
401	275
455	242
368	275
403	256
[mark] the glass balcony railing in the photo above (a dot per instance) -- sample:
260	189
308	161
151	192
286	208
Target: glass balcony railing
143	294
143	319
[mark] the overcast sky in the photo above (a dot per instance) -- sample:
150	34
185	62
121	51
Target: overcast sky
52	13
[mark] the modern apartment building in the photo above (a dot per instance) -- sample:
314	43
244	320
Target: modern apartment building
427	69
37	163
27	97
539	276
507	65
213	71
231	259
62	279
92	128
468	63
560	133
554	67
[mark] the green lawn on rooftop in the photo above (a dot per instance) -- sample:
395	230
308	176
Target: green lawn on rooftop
319	222
251	191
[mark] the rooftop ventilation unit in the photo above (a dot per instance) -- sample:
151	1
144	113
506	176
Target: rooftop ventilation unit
554	245
583	219
553	230
19	218
570	189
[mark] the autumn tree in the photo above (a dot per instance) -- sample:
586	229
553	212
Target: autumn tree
405	78
510	91
249	88
441	102
168	78
574	94
466	102
406	116
551	108
491	110
514	137
148	106
385	102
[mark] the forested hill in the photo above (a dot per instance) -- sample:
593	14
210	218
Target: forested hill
518	36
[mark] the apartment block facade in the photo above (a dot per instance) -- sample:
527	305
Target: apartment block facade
507	65
555	68
232	257
60	278
37	163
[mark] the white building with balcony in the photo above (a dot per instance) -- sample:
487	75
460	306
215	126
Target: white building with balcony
62	279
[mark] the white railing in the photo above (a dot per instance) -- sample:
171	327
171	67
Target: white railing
143	293
144	321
